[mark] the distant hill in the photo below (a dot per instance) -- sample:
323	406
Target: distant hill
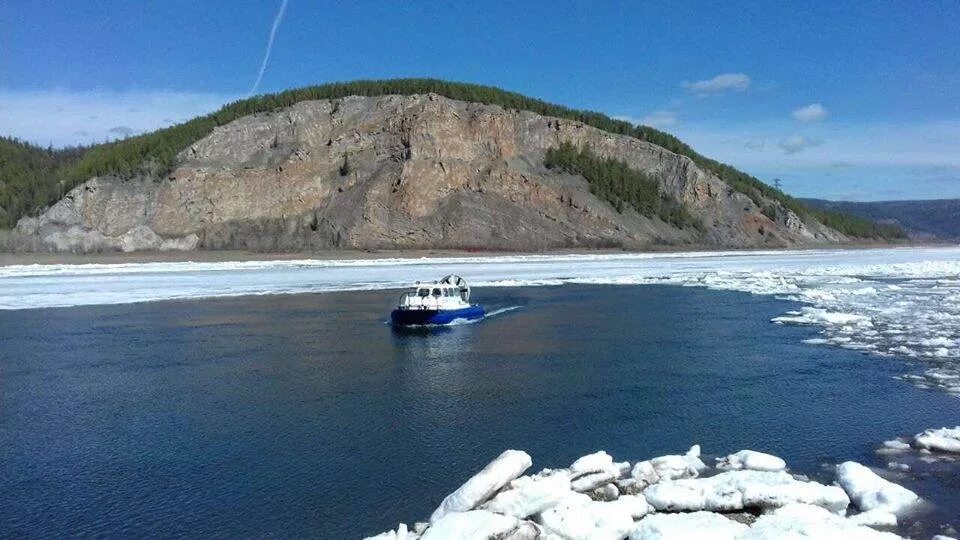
399	164
937	219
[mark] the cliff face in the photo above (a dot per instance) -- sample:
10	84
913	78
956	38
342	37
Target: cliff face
417	171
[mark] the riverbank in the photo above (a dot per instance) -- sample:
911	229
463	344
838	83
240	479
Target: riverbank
744	495
117	257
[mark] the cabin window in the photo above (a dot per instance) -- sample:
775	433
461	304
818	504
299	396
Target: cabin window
436	292
423	293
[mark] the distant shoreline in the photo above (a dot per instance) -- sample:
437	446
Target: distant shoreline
12	259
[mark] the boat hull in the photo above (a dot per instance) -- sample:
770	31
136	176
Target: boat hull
434	317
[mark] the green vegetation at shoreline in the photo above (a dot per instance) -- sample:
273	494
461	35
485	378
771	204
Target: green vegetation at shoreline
156	152
32	177
615	182
857	226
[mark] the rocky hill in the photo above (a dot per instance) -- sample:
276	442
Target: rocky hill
407	172
937	219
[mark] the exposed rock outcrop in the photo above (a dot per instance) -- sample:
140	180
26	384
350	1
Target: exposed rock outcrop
419	171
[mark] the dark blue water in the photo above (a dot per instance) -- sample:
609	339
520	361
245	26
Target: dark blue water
306	416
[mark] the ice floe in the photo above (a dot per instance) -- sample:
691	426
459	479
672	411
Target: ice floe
751	460
669	467
400	534
808	521
605	493
737	490
591	463
689	500
635	505
878	519
869	491
471	524
592	481
940	440
483	485
577	517
527	495
700	525
895	446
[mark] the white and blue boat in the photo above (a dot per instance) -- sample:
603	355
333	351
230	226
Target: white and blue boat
430	304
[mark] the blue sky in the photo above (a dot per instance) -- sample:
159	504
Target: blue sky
855	101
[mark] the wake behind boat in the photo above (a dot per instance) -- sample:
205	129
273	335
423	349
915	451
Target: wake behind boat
443	302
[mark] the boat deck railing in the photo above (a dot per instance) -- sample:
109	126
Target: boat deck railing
412	300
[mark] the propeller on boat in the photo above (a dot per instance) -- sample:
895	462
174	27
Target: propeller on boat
460	283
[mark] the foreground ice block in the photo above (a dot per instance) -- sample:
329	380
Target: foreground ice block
590	463
577	517
808	521
669	467
868	491
894	446
735	490
695	525
939	440
636	505
875	518
751	460
484	484
592	481
472	524
530	495
594	471
400	534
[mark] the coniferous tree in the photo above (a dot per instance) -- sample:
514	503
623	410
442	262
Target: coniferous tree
615	182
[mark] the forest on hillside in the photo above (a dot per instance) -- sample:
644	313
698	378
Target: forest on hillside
32	177
615	182
936	219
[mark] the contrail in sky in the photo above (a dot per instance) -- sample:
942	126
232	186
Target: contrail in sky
266	55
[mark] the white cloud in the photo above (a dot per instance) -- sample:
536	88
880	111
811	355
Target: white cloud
121	131
860	160
721	83
810	113
659	119
63	118
798	143
928	143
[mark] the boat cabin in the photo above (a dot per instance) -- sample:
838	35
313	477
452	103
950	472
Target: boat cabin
443	302
434	296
